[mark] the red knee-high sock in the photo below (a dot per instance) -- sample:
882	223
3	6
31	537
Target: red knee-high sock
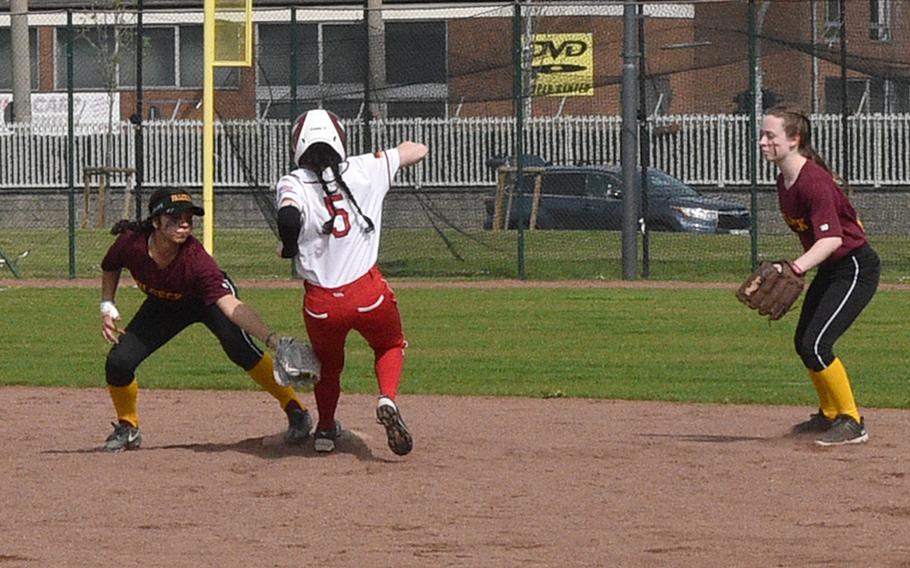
326	393
388	367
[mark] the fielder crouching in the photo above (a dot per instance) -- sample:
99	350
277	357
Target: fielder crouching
183	285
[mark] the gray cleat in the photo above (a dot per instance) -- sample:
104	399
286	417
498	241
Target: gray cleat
845	430
299	426
124	437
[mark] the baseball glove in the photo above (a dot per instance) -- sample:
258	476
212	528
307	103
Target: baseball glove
772	289
295	364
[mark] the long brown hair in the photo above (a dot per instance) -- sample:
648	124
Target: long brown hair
796	124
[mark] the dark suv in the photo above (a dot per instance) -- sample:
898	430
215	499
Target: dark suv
590	197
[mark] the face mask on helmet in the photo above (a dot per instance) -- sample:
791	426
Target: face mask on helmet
317	126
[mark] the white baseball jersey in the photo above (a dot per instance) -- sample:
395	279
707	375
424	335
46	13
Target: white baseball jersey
350	251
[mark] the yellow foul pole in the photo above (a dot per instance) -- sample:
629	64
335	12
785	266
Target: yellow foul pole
208	127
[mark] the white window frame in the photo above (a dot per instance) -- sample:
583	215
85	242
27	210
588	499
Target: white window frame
880	20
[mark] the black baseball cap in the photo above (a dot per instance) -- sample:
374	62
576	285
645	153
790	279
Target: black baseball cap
169	201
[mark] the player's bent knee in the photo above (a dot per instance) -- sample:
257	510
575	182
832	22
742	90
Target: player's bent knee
118	370
815	359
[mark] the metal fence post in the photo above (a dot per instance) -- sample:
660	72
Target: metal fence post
753	136
518	87
71	146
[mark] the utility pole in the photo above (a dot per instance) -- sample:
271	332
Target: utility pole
139	156
844	107
629	144
376	83
22	84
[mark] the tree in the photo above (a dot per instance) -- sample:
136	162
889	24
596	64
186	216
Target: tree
111	35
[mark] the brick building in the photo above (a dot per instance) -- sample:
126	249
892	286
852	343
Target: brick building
458	59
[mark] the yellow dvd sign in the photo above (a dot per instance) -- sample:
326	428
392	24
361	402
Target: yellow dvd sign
563	65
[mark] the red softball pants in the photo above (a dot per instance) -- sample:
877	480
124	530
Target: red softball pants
368	306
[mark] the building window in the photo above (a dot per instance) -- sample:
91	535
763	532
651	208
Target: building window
95	58
273	61
415	52
880	20
416	68
6	58
158	61
344	53
864	95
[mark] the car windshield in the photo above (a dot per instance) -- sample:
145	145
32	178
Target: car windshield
660	182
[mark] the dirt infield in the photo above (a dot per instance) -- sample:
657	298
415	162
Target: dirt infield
492	482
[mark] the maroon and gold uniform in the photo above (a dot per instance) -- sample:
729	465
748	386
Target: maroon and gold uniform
183	285
814	207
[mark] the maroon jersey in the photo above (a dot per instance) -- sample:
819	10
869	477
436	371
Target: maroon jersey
192	275
814	207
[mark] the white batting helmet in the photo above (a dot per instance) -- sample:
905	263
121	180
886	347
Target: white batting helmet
318	126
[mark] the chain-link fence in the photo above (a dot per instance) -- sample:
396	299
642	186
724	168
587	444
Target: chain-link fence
113	117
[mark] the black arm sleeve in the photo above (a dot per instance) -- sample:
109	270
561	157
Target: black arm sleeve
288	230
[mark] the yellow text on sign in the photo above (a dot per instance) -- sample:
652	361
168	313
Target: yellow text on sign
563	65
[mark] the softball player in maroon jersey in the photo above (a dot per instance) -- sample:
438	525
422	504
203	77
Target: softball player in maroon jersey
329	220
183	285
833	239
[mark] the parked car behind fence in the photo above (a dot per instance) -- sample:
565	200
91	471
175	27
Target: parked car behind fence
590	198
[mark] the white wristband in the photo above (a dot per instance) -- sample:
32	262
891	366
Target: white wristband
109	309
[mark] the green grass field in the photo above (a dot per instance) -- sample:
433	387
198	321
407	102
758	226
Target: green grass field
696	345
423	253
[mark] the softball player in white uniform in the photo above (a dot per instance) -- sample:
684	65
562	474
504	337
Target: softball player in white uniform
329	219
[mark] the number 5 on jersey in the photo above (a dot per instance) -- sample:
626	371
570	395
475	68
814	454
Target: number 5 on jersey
339	214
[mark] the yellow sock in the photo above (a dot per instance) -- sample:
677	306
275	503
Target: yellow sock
262	374
825	402
835	378
125	402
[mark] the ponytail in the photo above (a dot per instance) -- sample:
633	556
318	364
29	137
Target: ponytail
124	225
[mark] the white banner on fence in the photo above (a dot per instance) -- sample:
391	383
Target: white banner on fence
92	112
